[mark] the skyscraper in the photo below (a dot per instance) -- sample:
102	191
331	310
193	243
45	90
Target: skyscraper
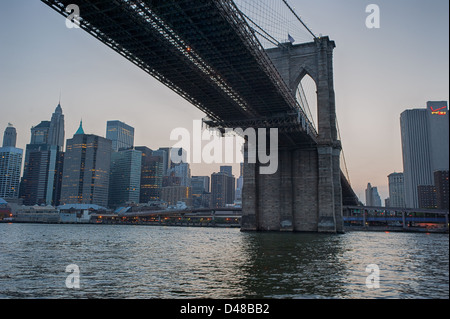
151	175
56	129
425	145
240	184
39	133
10	136
222	189
396	190
442	189
200	184
427	196
10	165
44	160
125	179
183	172
227	170
86	174
372	197
121	135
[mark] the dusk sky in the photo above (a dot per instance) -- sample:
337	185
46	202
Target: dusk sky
379	73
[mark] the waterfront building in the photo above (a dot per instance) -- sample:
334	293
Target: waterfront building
44	160
86	174
427	196
125	179
174	194
222	189
396	190
10	165
442	189
36	214
373	198
121	135
80	213
5	211
425	146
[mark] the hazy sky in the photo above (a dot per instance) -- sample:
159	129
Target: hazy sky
378	74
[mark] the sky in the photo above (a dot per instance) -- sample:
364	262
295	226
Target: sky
379	73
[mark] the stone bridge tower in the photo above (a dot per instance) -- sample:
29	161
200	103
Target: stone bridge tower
305	194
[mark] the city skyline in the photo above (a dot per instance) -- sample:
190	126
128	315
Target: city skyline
379	74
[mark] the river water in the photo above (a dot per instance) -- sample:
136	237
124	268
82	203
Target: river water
175	263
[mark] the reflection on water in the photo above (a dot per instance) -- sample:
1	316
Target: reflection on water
158	262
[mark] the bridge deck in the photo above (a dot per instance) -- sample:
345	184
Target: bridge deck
203	50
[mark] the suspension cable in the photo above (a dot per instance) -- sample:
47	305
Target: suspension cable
299	19
343	154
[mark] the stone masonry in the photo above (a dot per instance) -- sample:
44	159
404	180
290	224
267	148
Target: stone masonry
305	193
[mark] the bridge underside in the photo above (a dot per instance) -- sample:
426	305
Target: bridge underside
205	51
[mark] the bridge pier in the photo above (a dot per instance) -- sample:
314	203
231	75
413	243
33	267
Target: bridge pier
304	195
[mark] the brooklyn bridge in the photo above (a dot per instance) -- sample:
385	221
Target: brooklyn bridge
210	52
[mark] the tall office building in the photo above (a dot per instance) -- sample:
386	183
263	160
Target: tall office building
39	133
10	136
183	172
56	130
227	170
442	189
86	174
121	135
151	175
42	176
200	191
426	195
396	190
425	145
240	184
222	189
200	184
164	154
44	160
125	179
10	165
373	198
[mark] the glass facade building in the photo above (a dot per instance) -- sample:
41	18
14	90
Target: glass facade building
121	135
86	174
425	146
125	179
